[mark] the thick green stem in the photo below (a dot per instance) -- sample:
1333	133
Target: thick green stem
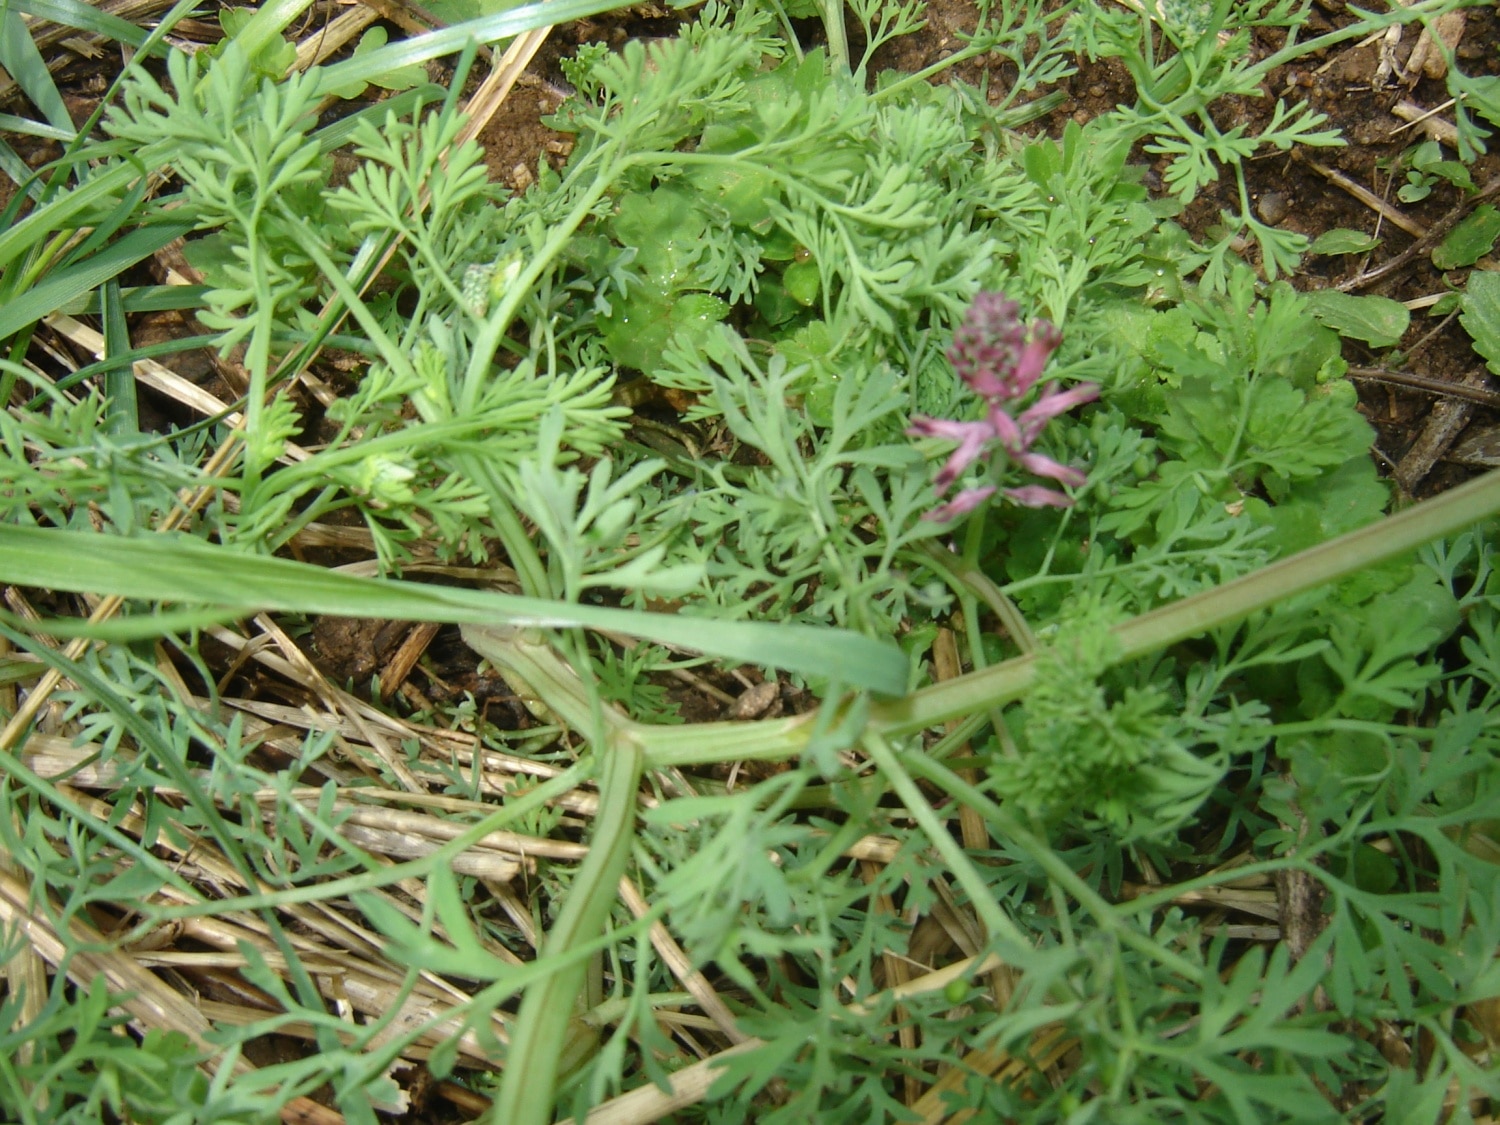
1223	605
702	743
833	27
528	1085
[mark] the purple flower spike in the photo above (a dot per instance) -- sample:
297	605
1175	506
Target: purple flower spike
998	358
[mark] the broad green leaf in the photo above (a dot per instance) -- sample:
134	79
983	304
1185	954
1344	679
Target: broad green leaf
1471	240
1343	241
1481	315
1378	321
403	79
180	569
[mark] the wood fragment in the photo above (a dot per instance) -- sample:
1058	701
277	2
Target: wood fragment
1447	420
1437	128
947	665
405	658
328	40
1429	60
1390	214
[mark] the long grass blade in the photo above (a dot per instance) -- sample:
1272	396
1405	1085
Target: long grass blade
122	419
65	285
182	570
19	56
84	17
450	40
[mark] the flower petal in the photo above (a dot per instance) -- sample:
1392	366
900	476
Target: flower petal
1052	403
971	437
1046	467
1035	496
962	504
1033	358
1004	427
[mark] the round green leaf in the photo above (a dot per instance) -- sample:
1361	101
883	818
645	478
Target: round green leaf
1471	240
1378	321
1343	241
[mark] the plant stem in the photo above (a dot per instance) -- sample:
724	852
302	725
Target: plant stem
838	38
528	1084
1012	942
1328	562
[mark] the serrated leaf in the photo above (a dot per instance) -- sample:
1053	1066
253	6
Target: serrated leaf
1343	241
1378	321
1481	316
1481	93
1471	240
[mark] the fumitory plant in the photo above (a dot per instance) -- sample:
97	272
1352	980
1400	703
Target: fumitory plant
1012	843
1000	360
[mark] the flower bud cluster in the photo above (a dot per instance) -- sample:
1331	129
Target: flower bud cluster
1001	360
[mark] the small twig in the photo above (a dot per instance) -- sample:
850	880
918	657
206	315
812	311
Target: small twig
1391	214
1435	234
1426	383
1433	334
400	665
1438	129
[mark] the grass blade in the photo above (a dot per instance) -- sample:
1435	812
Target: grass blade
18	54
182	570
122	418
362	68
84	17
68	284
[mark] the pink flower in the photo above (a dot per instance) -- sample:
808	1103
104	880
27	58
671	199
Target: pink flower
972	437
967	500
1001	361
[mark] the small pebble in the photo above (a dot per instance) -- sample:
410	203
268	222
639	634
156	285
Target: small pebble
1096	91
755	701
1272	207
